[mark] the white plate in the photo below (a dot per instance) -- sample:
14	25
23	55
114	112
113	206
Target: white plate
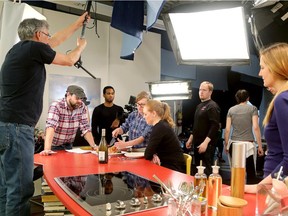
134	154
78	151
109	154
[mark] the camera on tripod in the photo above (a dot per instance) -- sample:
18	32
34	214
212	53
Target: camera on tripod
130	107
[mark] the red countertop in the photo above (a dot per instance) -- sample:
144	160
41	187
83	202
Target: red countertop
71	164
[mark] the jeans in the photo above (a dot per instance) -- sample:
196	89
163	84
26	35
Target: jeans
16	168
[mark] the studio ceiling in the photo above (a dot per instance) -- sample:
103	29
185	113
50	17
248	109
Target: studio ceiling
102	10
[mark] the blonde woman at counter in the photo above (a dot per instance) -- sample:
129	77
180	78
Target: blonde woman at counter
163	147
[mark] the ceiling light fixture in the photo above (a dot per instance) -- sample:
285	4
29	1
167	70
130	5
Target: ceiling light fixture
170	90
216	37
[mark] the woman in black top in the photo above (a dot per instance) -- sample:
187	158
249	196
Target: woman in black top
163	146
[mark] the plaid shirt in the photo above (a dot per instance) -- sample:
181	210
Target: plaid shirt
137	126
66	122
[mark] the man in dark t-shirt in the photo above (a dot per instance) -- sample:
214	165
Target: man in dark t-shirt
205	128
107	115
22	80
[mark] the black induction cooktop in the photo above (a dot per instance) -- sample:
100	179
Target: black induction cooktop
115	193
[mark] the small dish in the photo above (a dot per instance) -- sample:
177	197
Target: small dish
233	202
134	154
86	148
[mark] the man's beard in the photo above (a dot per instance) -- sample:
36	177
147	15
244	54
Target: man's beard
74	106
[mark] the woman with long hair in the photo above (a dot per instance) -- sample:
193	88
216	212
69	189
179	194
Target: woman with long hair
163	146
274	72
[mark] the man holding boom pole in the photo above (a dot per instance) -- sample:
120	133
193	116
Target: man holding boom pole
22	80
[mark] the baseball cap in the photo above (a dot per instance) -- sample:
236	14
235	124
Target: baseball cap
85	101
78	91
